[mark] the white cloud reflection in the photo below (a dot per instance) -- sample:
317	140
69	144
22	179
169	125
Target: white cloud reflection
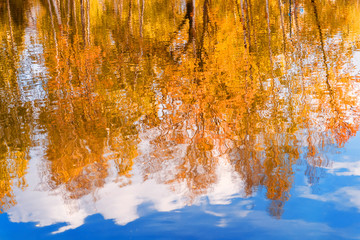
112	201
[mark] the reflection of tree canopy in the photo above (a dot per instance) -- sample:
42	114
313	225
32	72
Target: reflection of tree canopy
14	113
261	84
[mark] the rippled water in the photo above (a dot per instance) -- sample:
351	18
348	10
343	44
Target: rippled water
179	119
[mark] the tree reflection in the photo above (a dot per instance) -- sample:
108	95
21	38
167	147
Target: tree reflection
15	114
202	81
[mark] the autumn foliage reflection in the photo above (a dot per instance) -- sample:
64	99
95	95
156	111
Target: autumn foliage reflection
259	85
15	113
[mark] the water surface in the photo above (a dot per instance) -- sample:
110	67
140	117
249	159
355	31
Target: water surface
179	119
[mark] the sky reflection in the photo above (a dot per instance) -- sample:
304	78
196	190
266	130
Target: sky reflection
179	119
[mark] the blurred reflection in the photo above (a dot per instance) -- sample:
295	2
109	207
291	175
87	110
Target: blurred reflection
178	96
15	115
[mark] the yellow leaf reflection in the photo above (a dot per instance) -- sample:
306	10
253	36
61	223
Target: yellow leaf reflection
174	90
